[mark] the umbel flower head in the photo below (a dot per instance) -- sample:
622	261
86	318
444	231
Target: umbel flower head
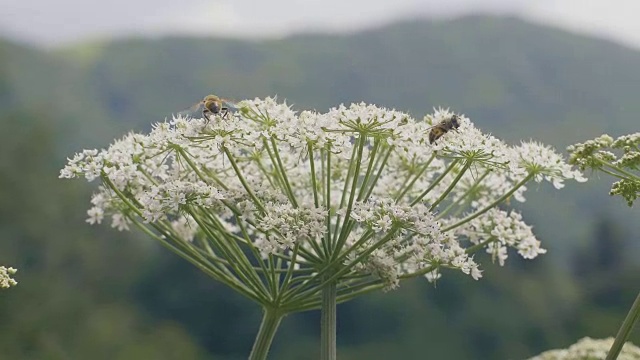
600	154
277	204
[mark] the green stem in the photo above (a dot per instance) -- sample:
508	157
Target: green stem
615	175
344	229
629	175
354	153
337	230
193	165
625	329
451	186
286	283
415	178
378	173
326	277
327	244
435	182
464	196
239	263
492	205
369	286
314	184
352	291
328	322
246	186
283	174
270	323
367	175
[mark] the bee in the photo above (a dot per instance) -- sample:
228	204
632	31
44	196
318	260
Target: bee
211	105
443	127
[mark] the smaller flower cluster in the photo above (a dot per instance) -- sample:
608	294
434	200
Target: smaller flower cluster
501	229
5	277
589	154
86	163
545	163
598	154
590	349
290	224
407	240
168	197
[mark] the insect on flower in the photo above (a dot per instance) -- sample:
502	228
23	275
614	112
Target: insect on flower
443	127
211	105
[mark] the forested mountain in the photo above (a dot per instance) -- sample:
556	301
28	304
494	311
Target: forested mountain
513	79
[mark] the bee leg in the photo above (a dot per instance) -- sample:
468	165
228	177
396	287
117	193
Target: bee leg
224	112
206	113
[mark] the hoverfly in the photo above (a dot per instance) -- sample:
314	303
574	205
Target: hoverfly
443	127
211	105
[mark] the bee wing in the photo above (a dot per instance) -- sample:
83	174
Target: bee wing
193	111
231	106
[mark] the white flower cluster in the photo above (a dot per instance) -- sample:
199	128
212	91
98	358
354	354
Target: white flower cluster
503	229
547	164
359	184
410	241
624	163
590	349
169	197
290	224
5	277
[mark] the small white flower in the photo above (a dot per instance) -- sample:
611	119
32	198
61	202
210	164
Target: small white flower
96	215
120	222
587	348
185	227
5	277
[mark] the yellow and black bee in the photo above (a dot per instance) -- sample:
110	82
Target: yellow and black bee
443	127
211	105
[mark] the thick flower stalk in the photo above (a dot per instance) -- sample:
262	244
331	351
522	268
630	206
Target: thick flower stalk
619	158
283	206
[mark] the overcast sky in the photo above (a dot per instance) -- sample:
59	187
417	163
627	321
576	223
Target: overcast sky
59	22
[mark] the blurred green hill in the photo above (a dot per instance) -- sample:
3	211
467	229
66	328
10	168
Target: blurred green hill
91	290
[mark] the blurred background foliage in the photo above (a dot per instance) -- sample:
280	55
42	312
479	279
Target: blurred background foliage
92	292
